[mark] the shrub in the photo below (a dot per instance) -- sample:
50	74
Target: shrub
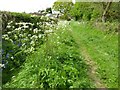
22	34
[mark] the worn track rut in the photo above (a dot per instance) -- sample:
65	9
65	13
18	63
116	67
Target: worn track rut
92	72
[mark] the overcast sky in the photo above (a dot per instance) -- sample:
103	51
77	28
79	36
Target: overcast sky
29	5
25	5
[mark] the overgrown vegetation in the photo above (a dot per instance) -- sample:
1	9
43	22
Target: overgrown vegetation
21	35
43	52
56	64
103	49
88	10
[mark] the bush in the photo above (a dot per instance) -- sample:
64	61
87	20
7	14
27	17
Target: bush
21	35
108	27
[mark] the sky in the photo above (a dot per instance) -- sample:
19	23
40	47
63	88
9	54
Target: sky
25	5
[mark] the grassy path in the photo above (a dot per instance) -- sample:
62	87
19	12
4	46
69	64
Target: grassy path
100	53
92	65
92	69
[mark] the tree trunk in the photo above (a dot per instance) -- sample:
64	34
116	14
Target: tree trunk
105	11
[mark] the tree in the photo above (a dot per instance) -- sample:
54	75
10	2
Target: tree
63	7
82	10
105	11
100	11
49	10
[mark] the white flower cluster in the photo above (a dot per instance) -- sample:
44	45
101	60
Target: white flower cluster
48	31
8	26
5	36
34	37
24	23
35	30
10	22
26	35
40	35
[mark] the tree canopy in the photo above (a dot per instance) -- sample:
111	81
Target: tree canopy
101	11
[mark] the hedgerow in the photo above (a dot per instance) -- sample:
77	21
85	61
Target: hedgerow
21	35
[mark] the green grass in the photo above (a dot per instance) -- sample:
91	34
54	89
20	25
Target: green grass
103	49
56	64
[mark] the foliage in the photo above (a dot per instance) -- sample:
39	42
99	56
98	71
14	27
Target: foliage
49	10
113	13
108	27
38	54
88	10
64	8
56	64
22	35
103	49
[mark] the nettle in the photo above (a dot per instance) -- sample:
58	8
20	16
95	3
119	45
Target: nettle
21	38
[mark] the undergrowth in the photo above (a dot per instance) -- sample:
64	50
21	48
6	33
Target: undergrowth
56	64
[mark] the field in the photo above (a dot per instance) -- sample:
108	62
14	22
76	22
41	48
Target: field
70	54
